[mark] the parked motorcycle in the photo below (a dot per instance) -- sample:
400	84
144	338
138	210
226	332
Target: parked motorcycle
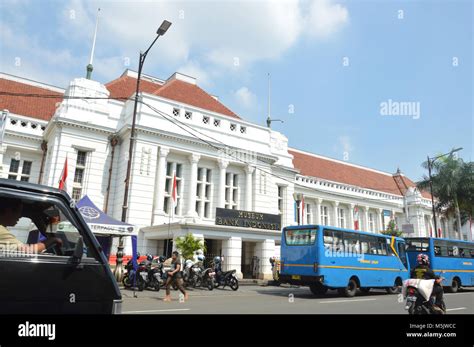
227	278
420	299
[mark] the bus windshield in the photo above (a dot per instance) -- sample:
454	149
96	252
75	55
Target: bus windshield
300	237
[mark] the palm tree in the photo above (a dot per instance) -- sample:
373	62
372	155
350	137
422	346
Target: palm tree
187	245
448	178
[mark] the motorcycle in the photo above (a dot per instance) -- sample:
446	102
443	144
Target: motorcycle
227	278
420	299
129	275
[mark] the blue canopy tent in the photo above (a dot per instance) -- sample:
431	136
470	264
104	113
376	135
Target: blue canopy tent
105	227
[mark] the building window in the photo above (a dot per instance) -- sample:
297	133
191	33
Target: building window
171	169
341	217
324	215
231	191
176	112
79	174
205	119
309	215
243	130
371	222
203	192
20	171
233	126
217	122
281	194
188	115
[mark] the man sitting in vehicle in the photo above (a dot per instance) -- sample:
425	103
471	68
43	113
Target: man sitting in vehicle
422	271
10	214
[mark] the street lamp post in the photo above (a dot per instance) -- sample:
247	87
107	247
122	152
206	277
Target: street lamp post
160	32
430	163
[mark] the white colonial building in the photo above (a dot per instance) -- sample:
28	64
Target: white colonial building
224	165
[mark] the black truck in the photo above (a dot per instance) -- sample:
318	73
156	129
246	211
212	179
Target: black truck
70	276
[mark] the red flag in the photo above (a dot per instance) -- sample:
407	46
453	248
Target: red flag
63	179
439	232
431	232
174	193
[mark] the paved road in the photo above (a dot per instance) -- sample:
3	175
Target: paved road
278	300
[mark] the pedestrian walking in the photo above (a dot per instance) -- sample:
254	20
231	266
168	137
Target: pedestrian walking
175	275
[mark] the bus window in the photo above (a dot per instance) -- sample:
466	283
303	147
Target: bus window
440	248
373	244
389	247
462	252
338	244
300	237
419	245
351	243
381	246
328	239
364	244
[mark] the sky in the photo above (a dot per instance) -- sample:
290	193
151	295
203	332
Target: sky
381	84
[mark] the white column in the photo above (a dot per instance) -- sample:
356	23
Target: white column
248	187
222	173
232	252
160	179
317	215
366	218
335	206
350	217
380	220
3	173
264	251
193	160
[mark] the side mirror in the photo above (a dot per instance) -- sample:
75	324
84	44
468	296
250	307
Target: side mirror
78	251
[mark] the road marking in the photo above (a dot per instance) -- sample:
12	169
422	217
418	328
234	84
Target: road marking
459	293
456	309
350	300
169	310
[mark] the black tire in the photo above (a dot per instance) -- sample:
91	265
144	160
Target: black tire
126	281
318	289
350	290
156	286
454	286
234	284
140	284
210	284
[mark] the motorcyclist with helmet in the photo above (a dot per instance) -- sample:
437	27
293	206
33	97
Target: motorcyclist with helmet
422	271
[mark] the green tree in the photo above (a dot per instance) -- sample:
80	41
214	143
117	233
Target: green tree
187	245
392	229
453	187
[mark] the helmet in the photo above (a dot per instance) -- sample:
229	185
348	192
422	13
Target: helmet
217	260
422	259
162	259
200	257
188	263
149	257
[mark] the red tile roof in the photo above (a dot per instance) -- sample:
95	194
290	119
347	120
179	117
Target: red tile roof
125	86
191	94
35	107
332	170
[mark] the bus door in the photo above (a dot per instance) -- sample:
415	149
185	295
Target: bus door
401	249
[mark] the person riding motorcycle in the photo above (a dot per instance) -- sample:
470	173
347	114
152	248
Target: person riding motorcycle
422	271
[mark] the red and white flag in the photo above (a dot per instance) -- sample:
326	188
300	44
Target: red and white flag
174	193
356	218
63	179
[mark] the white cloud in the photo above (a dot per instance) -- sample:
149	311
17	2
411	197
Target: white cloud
245	98
204	40
325	18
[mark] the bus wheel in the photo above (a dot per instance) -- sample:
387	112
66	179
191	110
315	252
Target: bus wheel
350	290
454	286
318	289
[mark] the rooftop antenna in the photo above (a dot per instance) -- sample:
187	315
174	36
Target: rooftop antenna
89	66
269	118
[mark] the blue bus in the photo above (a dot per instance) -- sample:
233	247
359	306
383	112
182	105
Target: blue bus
325	257
451	259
